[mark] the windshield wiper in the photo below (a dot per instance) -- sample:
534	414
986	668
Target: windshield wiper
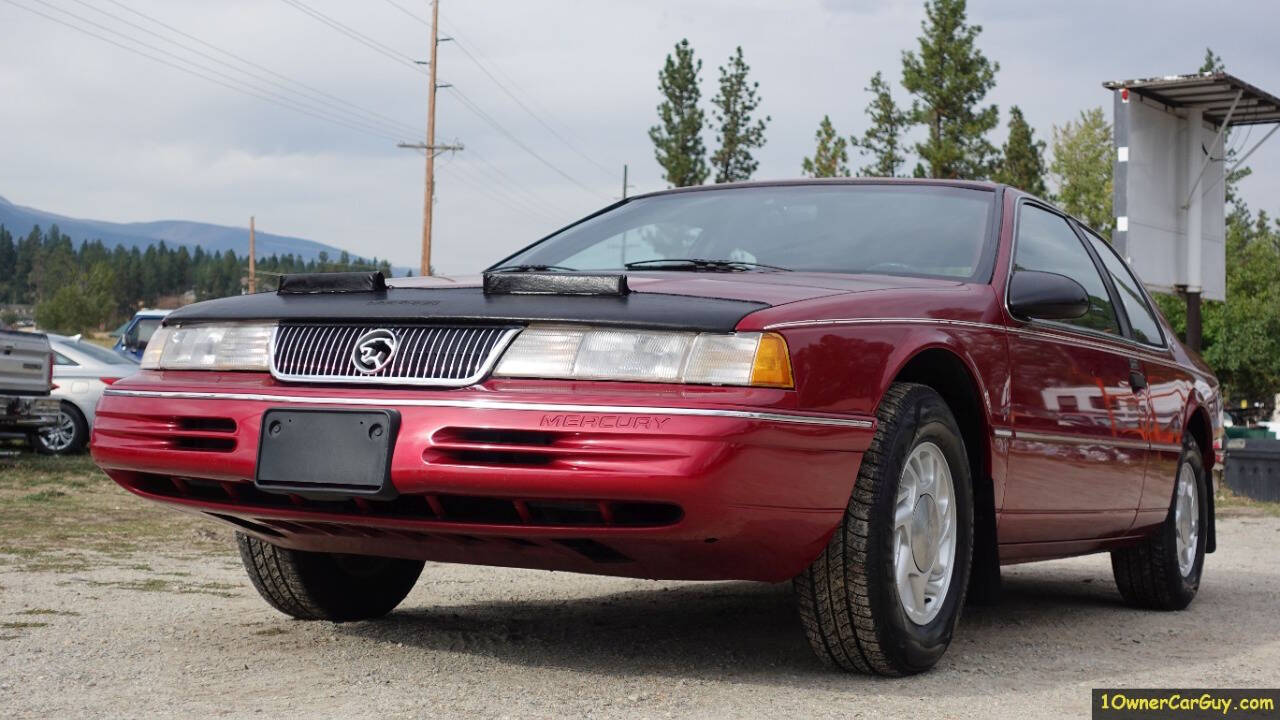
699	265
533	268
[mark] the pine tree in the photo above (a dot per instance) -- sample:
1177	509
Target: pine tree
949	77
883	140
1022	159
1081	169
1212	62
677	141
831	157
739	133
8	265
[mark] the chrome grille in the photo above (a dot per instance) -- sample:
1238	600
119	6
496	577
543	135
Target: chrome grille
441	355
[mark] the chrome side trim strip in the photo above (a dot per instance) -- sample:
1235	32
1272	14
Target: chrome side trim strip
1080	440
499	405
884	321
1002	432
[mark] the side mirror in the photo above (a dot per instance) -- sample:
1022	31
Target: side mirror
1046	296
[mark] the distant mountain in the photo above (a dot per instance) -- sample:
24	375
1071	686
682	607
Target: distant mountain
212	238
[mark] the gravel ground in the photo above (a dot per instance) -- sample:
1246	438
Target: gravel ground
185	635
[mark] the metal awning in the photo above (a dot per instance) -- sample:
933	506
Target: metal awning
1214	93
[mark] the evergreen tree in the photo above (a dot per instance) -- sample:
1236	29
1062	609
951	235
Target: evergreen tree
739	132
677	141
1212	62
883	140
8	265
1022	159
1081	169
831	157
949	77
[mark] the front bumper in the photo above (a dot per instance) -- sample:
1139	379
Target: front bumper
25	411
607	478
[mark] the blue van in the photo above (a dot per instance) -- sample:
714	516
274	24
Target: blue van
133	336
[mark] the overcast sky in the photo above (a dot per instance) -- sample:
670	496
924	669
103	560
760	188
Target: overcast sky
92	130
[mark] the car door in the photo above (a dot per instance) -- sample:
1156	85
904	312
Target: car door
1079	444
1169	387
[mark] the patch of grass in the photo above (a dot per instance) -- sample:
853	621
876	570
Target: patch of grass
49	505
271	631
43	496
22	625
1228	500
47	611
161	585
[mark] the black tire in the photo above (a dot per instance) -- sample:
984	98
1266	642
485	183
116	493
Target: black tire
848	598
327	586
1148	574
67	413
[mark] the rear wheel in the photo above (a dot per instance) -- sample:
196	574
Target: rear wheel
327	586
68	434
1163	573
885	595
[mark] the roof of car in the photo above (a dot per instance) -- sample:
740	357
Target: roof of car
971	184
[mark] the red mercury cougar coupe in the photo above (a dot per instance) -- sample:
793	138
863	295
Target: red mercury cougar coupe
879	390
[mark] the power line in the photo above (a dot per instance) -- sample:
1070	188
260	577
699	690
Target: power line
505	89
235	85
503	179
479	182
294	81
308	102
475	109
467	102
462	46
356	35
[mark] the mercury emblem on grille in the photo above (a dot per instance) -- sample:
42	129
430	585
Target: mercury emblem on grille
374	350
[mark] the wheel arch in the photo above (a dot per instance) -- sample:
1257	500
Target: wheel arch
1200	428
951	376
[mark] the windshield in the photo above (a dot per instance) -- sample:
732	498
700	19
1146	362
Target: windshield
101	354
922	230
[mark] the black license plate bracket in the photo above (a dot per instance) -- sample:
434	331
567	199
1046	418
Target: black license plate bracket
316	452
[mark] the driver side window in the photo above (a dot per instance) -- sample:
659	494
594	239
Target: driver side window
1046	243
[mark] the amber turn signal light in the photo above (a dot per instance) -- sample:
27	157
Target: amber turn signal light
772	366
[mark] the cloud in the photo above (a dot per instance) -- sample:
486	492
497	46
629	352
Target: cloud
93	130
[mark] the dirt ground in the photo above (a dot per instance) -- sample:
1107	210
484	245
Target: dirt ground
112	608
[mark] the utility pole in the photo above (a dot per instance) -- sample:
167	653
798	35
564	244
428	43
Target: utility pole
428	199
253	260
625	186
430	147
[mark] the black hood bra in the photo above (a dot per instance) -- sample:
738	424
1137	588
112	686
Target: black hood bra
470	305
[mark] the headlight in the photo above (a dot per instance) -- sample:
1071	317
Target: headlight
242	346
587	353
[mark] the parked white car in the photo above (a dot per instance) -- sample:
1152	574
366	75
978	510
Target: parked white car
81	371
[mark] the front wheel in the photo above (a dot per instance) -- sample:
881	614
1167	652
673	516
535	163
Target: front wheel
1163	573
885	595
327	586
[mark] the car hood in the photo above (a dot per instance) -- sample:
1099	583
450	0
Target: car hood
667	300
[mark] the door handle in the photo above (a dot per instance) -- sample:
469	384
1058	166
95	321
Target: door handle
1137	379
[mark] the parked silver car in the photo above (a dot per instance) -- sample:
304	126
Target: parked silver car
81	371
